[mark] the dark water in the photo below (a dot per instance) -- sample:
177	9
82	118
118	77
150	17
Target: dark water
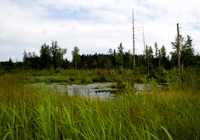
90	90
96	89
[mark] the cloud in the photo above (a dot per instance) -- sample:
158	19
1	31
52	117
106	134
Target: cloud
93	26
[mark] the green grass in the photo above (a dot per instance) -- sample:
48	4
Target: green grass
72	76
28	112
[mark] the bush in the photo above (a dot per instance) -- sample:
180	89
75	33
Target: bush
72	79
86	81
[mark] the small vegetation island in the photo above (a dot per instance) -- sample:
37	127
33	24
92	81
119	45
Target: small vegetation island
102	96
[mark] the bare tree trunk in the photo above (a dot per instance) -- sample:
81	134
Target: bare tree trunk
145	51
178	49
147	59
159	58
133	42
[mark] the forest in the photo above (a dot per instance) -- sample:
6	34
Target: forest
52	56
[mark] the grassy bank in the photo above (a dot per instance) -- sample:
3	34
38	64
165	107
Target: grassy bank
34	113
77	76
72	76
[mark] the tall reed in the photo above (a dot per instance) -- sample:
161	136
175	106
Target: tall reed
28	112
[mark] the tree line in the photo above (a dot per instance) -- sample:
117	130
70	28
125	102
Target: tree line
52	56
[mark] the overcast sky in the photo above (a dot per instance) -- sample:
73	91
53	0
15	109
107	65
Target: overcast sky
93	25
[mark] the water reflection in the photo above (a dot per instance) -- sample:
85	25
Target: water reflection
100	89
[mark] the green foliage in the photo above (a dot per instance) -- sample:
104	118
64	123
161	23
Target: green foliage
172	77
128	60
149	51
49	57
57	54
86	80
156	49
154	85
45	56
28	112
119	56
76	57
186	50
163	52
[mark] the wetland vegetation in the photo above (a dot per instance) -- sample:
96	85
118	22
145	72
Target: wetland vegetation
29	112
168	107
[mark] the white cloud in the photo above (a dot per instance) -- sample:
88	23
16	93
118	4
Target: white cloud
93	26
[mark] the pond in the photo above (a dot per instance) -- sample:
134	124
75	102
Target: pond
100	89
91	90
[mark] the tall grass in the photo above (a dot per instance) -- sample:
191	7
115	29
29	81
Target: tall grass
72	76
36	113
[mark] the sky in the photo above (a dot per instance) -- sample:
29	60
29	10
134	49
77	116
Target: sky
94	26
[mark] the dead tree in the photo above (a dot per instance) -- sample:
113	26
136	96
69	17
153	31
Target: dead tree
147	60
133	42
178	49
159	58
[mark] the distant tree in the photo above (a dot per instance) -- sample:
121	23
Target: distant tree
111	58
76	57
119	56
156	49
57	54
114	52
120	48
108	63
100	61
156	58
25	56
45	56
149	58
175	43
25	59
174	54
65	64
140	60
110	51
10	63
150	52
186	50
127	58
34	60
30	60
114	58
163	52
